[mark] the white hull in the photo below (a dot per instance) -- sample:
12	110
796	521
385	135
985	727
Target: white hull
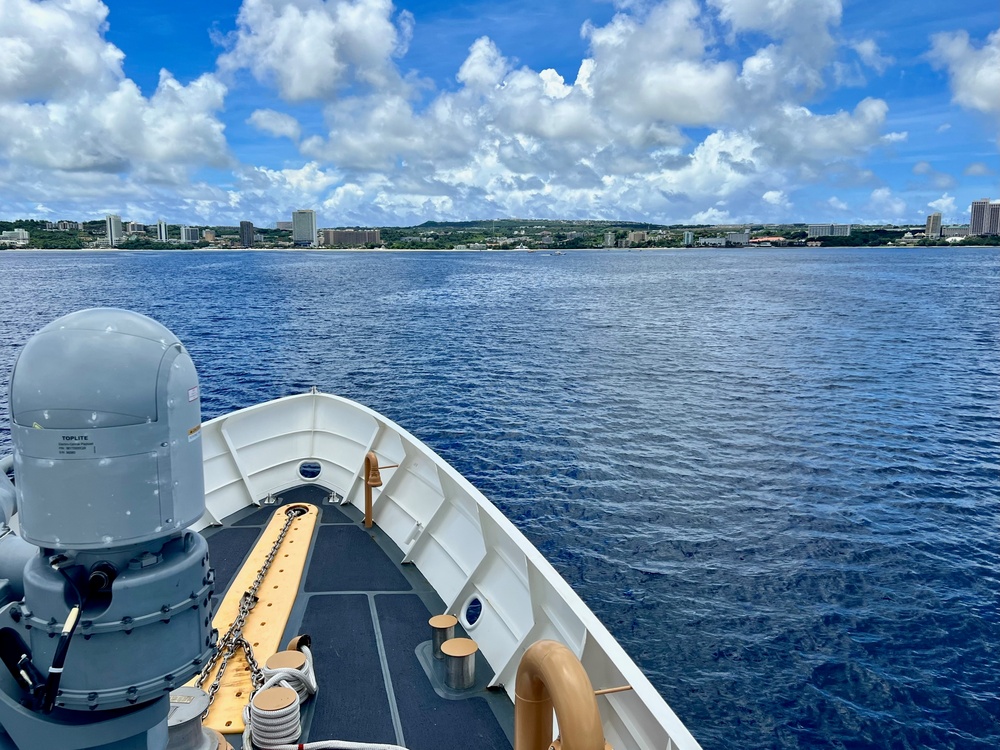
457	539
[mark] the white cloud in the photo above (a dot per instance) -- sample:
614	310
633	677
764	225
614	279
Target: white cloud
522	141
776	198
656	68
802	140
835	203
802	29
119	130
886	207
974	72
311	49
611	143
69	107
868	51
274	123
848	75
779	17
660	121
933	177
712	215
945	205
977	169
300	183
484	68
895	137
52	50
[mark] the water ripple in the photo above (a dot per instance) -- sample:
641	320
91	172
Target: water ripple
773	474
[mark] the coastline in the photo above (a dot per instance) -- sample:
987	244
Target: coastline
534	250
537	250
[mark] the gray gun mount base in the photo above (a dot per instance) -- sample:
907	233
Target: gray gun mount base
139	728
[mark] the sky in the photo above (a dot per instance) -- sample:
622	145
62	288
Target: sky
376	113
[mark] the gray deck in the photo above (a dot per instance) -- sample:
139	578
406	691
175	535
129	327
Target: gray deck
367	615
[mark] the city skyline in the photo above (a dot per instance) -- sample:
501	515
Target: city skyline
984	220
516	234
712	112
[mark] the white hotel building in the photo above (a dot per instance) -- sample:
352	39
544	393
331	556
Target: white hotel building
304	228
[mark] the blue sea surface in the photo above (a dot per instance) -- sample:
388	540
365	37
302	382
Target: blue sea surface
774	474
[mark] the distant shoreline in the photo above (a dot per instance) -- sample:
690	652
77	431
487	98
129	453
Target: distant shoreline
533	250
538	250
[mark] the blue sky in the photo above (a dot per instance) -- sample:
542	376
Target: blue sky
375	113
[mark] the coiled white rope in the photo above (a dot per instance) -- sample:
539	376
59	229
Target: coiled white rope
267	729
337	745
278	729
302	681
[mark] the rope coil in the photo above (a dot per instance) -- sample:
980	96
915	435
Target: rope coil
302	681
279	728
271	728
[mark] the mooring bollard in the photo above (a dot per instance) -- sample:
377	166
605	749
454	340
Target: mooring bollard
442	629
460	655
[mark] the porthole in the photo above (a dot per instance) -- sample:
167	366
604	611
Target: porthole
309	470
471	612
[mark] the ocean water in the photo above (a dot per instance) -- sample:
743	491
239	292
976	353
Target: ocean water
774	474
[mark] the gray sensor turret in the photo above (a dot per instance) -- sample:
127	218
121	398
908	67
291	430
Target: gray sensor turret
105	420
116	600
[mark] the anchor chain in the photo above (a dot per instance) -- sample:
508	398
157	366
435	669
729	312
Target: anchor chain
233	639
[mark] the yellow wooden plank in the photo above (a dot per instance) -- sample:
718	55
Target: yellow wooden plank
266	621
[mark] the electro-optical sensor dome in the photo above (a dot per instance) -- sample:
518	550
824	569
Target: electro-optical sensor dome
106	424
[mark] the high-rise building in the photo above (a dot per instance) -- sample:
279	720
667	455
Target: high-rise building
609	239
978	216
351	237
933	228
304	228
135	227
208	235
246	233
161	230
688	238
189	234
993	218
113	229
829	230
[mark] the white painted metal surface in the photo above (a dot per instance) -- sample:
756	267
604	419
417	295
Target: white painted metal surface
460	542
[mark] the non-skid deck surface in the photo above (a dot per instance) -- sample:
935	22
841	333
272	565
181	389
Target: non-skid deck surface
366	613
346	558
354	705
429	720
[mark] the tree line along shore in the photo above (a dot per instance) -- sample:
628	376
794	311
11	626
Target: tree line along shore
505	234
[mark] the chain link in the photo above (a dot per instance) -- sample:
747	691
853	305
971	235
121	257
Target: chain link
233	639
